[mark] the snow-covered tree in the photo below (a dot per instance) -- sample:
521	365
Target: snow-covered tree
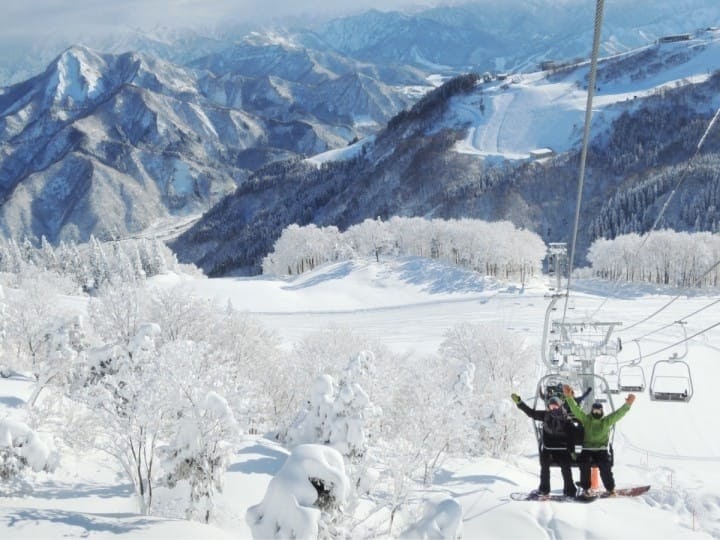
372	237
126	395
33	314
502	364
300	249
335	414
496	249
118	311
57	367
200	451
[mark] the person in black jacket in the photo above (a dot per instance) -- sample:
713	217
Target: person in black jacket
557	444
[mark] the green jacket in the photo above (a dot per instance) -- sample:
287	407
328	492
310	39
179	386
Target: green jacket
597	430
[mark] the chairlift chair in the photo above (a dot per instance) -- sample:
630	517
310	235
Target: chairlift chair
671	380
631	378
608	367
550	385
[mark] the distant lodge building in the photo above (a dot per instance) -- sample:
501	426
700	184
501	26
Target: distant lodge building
674	37
551	65
539	153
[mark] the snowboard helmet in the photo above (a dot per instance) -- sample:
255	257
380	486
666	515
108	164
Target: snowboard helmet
555	401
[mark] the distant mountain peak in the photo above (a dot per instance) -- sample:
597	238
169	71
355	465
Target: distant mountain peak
75	77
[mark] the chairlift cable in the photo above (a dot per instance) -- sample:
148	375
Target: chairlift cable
684	340
681	318
667	304
585	142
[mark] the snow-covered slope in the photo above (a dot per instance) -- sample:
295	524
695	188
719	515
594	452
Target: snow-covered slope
409	305
512	117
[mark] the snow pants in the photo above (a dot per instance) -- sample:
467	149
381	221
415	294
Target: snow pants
562	458
601	459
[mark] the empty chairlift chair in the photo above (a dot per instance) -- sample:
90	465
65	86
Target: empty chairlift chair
671	380
631	377
608	368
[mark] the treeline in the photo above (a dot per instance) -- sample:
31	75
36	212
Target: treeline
434	103
494	249
662	257
89	266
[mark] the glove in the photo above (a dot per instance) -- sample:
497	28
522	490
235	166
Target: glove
515	398
630	399
567	390
573	456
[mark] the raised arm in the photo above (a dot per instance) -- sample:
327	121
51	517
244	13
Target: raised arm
622	411
575	409
532	413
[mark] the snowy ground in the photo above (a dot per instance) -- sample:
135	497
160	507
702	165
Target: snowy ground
409	304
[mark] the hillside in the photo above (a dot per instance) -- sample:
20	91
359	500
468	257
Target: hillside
467	150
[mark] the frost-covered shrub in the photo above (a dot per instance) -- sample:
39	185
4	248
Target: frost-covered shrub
21	448
502	363
304	498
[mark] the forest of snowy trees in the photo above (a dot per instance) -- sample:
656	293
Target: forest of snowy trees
497	249
164	384
664	257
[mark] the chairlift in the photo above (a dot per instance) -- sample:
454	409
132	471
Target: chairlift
631	377
608	367
550	385
671	380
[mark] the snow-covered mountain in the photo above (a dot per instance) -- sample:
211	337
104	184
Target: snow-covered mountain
151	137
507	149
513	35
106	144
274	76
509	36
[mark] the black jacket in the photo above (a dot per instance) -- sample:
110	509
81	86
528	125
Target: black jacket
551	440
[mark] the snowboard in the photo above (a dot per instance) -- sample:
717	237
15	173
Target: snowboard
553	497
585	498
621	492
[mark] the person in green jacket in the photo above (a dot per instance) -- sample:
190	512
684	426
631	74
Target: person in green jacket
597	437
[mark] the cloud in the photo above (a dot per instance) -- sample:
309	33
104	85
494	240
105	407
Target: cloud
28	18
